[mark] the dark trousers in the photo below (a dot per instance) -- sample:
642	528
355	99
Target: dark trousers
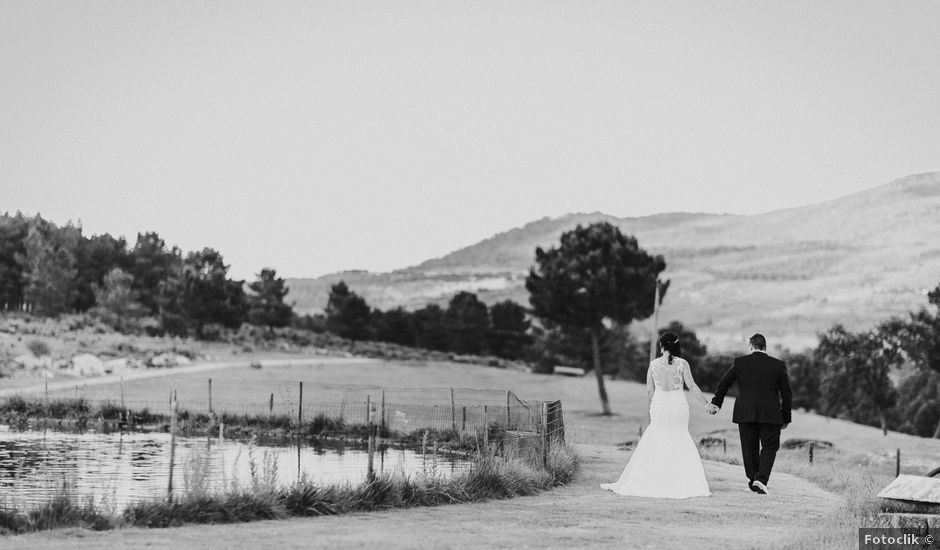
759	444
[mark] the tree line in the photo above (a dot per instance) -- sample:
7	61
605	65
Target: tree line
466	326
48	270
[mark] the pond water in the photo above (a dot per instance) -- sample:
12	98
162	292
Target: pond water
119	469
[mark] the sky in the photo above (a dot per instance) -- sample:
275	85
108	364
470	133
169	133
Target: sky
319	136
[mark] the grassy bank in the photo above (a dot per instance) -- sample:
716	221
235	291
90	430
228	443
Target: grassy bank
491	477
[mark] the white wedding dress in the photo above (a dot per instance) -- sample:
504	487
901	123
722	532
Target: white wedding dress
665	463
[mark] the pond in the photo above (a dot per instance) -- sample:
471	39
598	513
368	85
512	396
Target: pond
119	469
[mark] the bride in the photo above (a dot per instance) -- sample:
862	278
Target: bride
665	463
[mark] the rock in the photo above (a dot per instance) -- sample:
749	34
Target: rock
116	365
163	360
30	362
86	364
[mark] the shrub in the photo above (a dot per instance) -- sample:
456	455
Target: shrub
38	348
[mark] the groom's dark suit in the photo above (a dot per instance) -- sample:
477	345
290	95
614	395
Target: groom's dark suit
763	405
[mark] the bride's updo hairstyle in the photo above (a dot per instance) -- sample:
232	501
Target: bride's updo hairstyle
670	342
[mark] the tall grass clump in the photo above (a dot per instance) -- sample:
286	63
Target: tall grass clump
63	509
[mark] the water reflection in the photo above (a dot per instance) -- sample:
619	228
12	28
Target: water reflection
118	469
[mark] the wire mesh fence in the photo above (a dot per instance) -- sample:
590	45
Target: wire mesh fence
400	410
407	430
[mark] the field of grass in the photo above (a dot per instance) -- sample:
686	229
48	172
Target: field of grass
860	462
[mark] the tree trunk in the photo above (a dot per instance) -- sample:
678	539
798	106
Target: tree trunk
936	431
598	371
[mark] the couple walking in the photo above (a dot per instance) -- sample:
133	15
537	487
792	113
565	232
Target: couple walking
666	463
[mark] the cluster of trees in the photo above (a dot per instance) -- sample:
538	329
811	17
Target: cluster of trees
851	374
466	326
49	270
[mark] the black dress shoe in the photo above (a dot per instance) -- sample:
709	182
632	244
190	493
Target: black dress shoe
759	488
750	485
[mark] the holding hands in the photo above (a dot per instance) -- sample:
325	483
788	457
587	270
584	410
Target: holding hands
711	408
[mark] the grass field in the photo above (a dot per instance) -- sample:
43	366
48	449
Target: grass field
838	488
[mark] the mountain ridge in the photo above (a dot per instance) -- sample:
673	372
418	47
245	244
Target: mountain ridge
792	272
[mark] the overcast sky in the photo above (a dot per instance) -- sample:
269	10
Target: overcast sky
316	136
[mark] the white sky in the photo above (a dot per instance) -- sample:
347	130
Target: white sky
316	136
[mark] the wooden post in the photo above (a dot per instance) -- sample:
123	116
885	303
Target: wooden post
811	447
897	463
210	396
47	395
508	417
545	440
271	405
123	408
169	488
486	430
300	405
463	418
724	445
382	425
371	471
453	411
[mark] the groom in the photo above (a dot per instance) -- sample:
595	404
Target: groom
761	410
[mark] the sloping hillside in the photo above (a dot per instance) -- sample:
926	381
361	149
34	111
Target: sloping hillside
789	273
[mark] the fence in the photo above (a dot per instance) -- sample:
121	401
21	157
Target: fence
398	409
135	466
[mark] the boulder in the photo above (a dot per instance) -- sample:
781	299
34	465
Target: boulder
163	360
86	364
116	365
30	362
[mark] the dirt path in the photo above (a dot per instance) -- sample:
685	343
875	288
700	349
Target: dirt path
577	516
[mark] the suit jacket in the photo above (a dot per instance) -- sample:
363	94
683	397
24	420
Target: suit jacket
764	393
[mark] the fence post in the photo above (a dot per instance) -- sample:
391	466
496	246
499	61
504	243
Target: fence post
210	396
463	418
382	425
453	411
271	405
897	463
300	405
508	416
724	444
486	430
169	488
545	439
811	447
46	378
371	471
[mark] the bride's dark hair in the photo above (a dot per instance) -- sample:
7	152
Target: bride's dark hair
670	342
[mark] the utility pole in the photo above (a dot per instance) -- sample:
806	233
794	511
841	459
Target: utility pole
654	335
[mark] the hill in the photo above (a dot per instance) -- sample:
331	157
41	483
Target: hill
789	273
